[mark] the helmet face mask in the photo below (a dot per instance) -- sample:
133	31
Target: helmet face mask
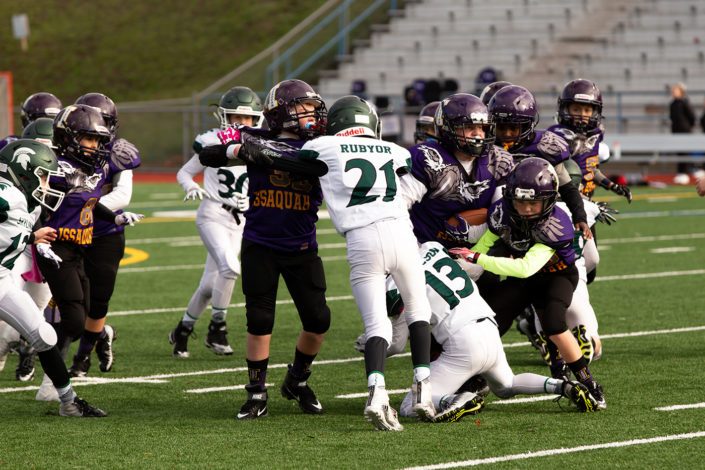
425	127
293	106
32	166
72	126
239	101
532	180
107	109
457	118
353	116
514	107
579	94
39	105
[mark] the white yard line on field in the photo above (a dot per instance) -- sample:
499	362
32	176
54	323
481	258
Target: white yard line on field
560	451
680	407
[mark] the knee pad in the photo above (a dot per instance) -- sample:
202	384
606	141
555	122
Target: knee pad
319	321
43	338
260	321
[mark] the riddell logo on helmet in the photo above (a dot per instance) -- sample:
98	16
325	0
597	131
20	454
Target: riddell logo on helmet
354	131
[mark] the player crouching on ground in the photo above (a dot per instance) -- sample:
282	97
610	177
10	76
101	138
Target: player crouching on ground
541	270
25	169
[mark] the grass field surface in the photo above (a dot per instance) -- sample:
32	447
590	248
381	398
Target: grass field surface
180	413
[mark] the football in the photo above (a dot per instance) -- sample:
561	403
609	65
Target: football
472	217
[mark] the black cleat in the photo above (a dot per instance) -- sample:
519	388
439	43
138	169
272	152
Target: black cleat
598	394
80	366
217	340
104	349
256	404
179	338
462	404
298	389
579	395
25	365
80	409
476	384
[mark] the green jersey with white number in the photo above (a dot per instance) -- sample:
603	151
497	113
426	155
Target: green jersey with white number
15	225
360	187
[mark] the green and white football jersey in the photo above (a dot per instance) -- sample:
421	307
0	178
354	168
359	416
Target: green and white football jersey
15	225
360	187
226	183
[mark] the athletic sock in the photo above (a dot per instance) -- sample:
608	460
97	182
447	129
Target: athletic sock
218	314
301	367
257	371
188	320
87	343
66	393
581	371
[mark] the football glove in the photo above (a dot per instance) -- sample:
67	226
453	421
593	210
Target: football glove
606	213
256	151
231	135
464	232
466	253
45	251
241	202
128	218
196	192
213	156
622	190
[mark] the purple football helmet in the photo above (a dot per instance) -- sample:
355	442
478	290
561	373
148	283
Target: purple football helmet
424	123
72	124
454	114
490	90
532	179
39	105
106	106
284	107
583	92
514	106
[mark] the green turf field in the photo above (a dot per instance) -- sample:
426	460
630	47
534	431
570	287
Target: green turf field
649	300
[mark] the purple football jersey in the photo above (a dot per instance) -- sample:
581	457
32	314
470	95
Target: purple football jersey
584	149
123	156
450	189
556	231
73	220
547	145
283	207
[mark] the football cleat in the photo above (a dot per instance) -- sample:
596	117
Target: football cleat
542	347
379	413
25	365
579	395
598	394
466	403
80	409
256	404
216	339
47	391
586	345
298	389
561	371
476	384
422	402
179	338
80	366
104	349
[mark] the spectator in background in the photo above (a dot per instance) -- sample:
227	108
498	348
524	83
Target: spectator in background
682	121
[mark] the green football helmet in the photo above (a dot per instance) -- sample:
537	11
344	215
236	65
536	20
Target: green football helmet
352	116
42	130
30	165
576	175
240	100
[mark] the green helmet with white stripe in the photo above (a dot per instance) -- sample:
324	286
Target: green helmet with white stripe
353	116
29	165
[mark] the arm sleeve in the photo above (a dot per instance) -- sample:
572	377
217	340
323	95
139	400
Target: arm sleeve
536	258
121	194
571	196
188	172
103	213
